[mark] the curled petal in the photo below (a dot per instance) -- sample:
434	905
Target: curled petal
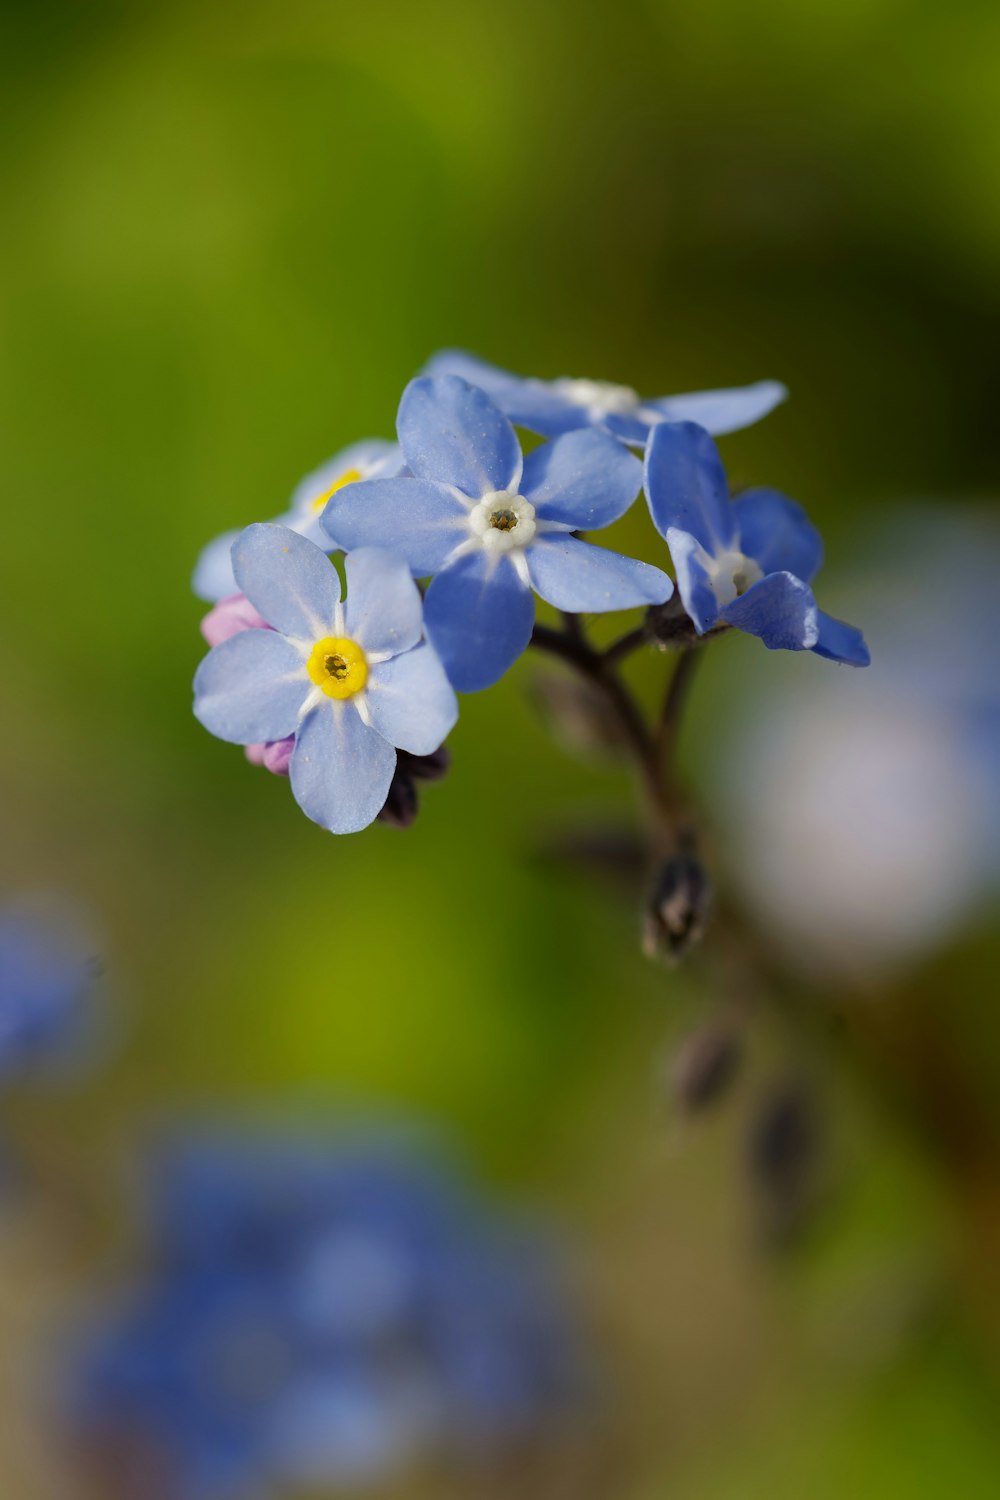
841	642
780	609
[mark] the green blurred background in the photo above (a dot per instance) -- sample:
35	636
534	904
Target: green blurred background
232	233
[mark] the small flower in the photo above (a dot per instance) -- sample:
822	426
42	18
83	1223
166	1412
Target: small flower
748	563
492	525
213	575
350	684
551	407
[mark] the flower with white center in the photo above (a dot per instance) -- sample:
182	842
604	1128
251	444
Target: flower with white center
213	575
492	526
551	407
351	683
747	563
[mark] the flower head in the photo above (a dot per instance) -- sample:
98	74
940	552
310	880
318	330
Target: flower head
551	407
747	562
351	683
492	525
213	576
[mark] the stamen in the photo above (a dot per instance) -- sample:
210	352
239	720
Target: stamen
503	520
338	666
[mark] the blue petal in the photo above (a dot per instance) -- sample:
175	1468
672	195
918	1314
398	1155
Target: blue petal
686	486
411	702
469	367
288	579
574	575
584	480
250	689
421	521
720	412
341	769
777	533
367	456
452	433
533	404
478	615
693	582
213	573
384	610
780	609
841	642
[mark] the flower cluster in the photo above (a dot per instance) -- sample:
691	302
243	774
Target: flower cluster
321	1313
328	694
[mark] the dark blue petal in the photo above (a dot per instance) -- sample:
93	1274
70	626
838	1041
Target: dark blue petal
423	522
780	609
583	480
693	582
686	486
841	642
574	575
720	412
452	433
341	768
777	534
478	615
250	689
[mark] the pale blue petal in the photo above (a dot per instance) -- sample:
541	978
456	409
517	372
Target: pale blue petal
841	642
540	407
780	609
411	702
469	367
720	412
288	579
213	573
452	433
777	534
369	456
250	688
478	616
574	575
341	769
686	486
384	611
693	582
583	480
421	521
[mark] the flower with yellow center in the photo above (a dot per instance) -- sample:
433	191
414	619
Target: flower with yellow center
349	476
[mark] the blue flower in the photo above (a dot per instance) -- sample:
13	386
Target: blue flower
48	969
352	685
492	525
748	563
551	407
213	575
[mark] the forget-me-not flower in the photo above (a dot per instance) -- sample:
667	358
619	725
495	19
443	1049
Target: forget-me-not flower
551	407
352	684
213	575
748	562
492	525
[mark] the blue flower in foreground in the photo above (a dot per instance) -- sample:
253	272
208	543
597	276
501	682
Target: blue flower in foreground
551	407
747	562
48	968
492	525
213	575
352	684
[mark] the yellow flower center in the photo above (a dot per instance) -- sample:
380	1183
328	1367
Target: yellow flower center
349	476
338	666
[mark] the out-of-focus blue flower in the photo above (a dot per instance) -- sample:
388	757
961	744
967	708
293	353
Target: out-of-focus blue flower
492	525
552	407
352	684
319	1315
48	969
748	563
213	575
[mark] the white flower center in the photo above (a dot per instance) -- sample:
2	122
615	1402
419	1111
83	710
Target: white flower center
502	522
600	398
731	574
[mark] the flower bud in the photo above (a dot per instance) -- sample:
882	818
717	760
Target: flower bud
677	907
229	617
704	1065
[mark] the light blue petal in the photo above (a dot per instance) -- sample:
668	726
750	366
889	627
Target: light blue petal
367	456
574	575
538	406
452	433
250	688
720	412
384	611
421	521
583	480
288	579
693	582
841	642
686	486
469	367
777	533
341	769
213	573
411	702
478	616
780	609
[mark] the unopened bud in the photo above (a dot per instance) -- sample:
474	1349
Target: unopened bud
704	1065
783	1152
403	802
677	908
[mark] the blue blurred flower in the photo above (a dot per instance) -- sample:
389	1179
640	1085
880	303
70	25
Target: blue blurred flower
319	1315
492	525
551	407
213	575
747	563
48	969
352	685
